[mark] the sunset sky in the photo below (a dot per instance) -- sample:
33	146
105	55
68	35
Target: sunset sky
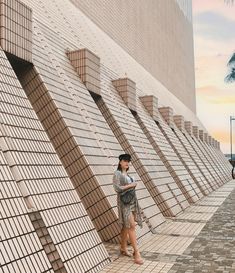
214	43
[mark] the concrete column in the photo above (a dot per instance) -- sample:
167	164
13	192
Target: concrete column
83	60
196	132
150	102
127	89
179	121
167	114
188	127
201	135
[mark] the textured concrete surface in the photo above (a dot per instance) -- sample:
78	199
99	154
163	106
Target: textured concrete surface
213	250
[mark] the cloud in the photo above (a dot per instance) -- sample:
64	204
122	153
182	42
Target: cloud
211	70
215	95
218	6
212	25
221	135
223	100
214	43
212	90
208	47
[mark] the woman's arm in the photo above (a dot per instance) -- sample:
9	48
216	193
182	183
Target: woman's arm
117	186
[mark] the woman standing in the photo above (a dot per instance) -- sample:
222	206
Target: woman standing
128	207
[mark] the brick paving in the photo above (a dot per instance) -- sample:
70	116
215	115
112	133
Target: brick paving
213	249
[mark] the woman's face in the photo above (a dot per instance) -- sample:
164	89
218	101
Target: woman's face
124	164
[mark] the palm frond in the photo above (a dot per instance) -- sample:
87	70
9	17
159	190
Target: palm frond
231	60
231	63
231	76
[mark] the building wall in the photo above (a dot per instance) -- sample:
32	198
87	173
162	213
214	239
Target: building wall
64	120
186	7
164	47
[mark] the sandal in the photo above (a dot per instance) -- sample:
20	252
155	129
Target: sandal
139	261
125	253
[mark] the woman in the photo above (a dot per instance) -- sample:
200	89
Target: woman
127	213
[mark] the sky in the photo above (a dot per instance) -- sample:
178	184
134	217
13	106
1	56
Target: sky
214	43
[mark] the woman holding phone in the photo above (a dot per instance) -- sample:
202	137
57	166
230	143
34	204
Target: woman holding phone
128	207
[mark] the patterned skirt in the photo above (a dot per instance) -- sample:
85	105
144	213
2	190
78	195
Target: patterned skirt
132	206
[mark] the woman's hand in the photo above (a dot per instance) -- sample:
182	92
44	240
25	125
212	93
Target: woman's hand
129	186
132	185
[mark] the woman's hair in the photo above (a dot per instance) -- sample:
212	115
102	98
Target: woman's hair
120	168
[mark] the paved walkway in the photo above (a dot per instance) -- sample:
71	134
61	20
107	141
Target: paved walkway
200	239
213	250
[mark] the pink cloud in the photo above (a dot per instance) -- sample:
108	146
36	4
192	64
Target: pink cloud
214	5
215	99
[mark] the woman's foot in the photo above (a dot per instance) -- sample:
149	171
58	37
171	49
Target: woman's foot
125	252
137	257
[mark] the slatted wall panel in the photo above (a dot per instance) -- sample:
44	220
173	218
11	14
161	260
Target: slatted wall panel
167	154
21	249
206	154
208	172
205	148
150	168
183	155
222	162
36	164
85	144
197	166
218	164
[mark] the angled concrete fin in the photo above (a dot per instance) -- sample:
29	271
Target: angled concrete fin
206	137
150	102
210	140
213	142
127	90
179	121
201	135
188	127
16	29
196	132
167	114
87	65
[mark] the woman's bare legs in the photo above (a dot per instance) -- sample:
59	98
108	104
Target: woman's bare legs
132	236
124	234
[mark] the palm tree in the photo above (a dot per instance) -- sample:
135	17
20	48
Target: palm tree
231	74
231	63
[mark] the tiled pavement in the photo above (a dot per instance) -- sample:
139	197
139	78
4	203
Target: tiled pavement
200	239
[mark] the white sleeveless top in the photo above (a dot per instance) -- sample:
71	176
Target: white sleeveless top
129	179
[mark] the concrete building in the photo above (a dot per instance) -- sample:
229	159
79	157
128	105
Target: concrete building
157	34
81	83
